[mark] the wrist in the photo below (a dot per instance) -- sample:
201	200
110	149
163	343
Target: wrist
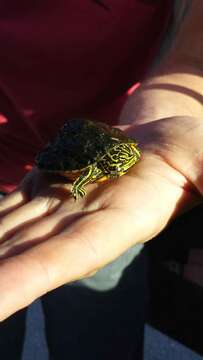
174	90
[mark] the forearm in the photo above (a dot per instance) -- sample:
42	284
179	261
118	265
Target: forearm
176	86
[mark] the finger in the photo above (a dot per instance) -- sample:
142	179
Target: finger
48	265
16	198
38	232
28	213
12	201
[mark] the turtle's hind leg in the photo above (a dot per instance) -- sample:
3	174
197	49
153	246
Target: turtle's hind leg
78	187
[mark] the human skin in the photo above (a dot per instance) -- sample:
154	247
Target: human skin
48	239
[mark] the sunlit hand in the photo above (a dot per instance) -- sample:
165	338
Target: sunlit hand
48	239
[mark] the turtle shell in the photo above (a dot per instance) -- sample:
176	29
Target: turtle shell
78	144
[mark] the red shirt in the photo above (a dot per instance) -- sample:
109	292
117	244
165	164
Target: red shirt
65	58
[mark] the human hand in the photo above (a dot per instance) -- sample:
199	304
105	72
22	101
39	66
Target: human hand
48	239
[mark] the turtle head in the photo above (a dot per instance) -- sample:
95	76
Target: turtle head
120	158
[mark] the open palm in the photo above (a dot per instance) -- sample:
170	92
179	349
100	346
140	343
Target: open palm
48	239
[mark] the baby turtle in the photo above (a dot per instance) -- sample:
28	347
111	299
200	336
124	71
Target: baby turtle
85	151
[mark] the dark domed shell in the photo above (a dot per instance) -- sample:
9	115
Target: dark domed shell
78	143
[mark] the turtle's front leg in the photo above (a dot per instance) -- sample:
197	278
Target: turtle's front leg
78	189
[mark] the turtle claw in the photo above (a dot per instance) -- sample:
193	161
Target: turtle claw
77	192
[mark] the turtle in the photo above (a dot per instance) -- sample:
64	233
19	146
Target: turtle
86	151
